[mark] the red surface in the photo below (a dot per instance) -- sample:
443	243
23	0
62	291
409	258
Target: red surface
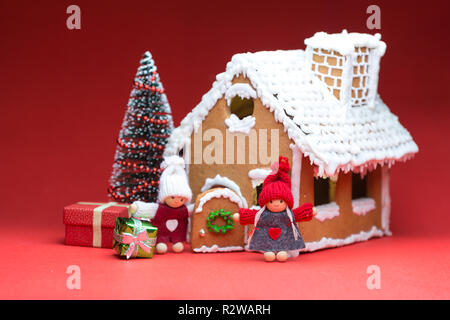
411	268
63	95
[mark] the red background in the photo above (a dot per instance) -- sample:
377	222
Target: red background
63	95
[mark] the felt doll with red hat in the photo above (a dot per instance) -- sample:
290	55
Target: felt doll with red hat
171	214
276	231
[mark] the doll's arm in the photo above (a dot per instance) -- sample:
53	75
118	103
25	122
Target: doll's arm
141	209
247	216
304	213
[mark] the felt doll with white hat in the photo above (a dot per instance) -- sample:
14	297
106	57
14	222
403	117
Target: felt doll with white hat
171	214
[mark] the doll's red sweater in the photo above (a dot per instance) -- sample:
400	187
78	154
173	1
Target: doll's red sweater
301	214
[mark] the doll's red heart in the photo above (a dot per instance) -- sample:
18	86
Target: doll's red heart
274	233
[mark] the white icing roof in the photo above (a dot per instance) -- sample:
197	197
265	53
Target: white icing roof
334	136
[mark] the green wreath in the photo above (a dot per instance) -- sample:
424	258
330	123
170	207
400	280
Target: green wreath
213	215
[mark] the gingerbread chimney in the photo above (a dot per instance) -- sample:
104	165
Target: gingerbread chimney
348	63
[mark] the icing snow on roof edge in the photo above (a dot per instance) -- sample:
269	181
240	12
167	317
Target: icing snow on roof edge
345	42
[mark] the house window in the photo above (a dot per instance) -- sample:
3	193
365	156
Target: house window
241	107
361	202
257	177
324	198
324	190
359	186
256	192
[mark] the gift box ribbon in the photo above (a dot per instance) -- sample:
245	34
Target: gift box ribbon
97	220
139	239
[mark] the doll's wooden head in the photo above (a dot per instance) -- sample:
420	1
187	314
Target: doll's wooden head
276	205
175	201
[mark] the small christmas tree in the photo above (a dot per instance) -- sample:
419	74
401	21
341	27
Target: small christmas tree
145	130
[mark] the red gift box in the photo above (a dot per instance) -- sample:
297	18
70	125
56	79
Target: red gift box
92	224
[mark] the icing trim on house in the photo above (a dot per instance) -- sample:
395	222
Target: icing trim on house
330	242
362	206
243	90
236	125
216	248
345	42
296	170
218	180
385	200
218	193
327	211
187	155
259	173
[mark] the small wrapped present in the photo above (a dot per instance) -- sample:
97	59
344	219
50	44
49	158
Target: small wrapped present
92	223
134	238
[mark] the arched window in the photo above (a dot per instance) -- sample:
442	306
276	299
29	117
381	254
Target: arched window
241	107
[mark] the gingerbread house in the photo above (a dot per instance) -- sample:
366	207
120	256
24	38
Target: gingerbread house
321	109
